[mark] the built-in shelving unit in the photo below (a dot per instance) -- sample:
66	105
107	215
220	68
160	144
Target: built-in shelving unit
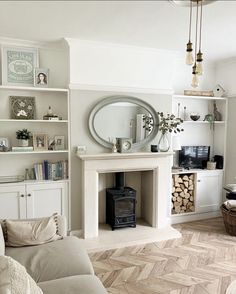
208	183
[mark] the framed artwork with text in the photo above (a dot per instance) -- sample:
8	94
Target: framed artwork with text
18	65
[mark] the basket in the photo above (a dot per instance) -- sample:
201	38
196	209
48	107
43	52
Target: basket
229	217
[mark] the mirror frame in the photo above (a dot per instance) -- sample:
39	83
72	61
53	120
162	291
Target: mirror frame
122	98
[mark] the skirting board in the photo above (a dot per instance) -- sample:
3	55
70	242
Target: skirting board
177	219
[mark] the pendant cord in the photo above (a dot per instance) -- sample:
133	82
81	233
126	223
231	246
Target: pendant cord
190	21
196	33
200	37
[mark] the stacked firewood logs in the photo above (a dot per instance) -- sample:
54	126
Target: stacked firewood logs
183	193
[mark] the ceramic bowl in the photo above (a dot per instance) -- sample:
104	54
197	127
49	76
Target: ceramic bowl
194	116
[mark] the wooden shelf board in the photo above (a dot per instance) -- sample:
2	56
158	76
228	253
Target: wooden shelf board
34	120
37	89
34	152
198	97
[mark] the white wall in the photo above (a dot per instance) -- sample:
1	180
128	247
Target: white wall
225	76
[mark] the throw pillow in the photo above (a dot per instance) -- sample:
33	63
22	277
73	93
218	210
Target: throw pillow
14	279
31	232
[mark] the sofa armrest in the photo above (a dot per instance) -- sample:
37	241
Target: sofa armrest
62	225
2	242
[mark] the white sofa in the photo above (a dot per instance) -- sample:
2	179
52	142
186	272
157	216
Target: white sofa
58	267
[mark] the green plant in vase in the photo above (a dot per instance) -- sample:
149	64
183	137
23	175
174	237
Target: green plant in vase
168	124
23	137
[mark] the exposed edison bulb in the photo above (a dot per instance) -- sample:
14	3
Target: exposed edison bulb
199	68
189	58
195	82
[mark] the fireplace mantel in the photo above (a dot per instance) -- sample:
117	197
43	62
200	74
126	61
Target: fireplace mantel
93	164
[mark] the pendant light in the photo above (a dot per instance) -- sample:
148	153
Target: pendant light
200	54
195	82
189	50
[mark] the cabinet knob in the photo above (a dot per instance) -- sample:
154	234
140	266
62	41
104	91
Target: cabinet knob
29	195
22	195
199	181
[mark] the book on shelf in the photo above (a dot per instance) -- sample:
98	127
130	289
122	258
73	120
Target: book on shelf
51	170
22	149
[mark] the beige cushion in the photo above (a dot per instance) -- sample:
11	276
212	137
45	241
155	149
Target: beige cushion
53	260
2	242
31	232
14	278
84	284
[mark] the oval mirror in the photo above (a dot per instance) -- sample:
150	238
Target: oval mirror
123	117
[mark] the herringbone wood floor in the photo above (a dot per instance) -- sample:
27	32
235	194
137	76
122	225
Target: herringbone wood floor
202	261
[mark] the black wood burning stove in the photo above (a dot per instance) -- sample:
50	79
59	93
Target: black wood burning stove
120	204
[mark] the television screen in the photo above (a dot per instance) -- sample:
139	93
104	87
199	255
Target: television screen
194	156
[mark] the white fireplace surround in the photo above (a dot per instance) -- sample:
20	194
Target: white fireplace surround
93	165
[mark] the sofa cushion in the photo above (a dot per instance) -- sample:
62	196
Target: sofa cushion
31	232
84	284
53	260
2	242
15	279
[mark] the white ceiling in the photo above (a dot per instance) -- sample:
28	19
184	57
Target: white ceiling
158	24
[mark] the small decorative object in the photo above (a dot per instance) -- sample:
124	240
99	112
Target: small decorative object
154	148
27	174
124	145
114	147
40	142
218	91
210	118
198	93
41	76
167	125
211	165
51	144
4	144
81	149
185	113
194	116
217	114
59	142
22	107
23	137
178	109
50	115
18	65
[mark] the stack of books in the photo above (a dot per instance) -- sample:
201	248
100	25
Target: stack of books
51	171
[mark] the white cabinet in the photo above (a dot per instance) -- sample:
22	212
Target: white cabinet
33	200
208	191
12	201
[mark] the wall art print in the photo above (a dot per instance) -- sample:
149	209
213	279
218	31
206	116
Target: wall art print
18	65
22	107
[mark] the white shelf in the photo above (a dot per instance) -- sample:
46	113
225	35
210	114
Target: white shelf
198	97
34	121
33	152
203	122
37	89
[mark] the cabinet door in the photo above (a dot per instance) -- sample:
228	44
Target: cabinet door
209	192
45	199
12	201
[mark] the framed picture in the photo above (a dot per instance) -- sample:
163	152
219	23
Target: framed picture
59	142
22	107
40	142
4	142
41	77
18	65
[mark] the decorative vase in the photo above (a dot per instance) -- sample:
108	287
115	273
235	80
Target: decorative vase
23	143
164	144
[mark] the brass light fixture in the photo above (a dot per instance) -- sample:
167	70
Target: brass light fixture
194	57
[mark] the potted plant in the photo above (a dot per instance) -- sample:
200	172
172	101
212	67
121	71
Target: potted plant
23	137
168	124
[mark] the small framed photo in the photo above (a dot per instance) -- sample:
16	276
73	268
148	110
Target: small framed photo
59	142
41	77
40	142
18	65
4	142
22	107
